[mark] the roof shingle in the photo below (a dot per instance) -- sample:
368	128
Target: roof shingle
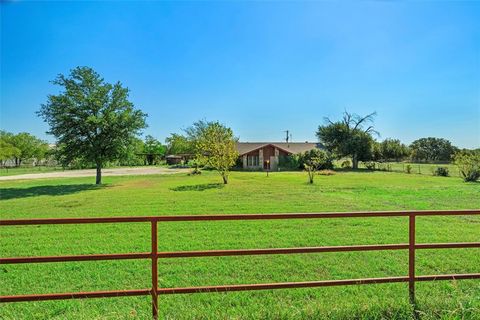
291	147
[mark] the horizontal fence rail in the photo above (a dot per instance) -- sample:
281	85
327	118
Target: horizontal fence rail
154	254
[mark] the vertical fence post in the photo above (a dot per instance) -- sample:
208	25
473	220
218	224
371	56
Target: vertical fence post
154	270
411	258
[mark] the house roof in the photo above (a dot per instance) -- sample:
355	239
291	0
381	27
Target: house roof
290	147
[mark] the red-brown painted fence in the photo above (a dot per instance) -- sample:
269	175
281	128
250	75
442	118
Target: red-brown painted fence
154	255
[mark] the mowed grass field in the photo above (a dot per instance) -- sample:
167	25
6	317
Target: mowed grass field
416	168
13	171
247	192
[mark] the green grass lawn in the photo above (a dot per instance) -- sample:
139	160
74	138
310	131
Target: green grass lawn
246	193
24	170
417	168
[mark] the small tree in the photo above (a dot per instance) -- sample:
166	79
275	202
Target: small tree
322	159
215	147
311	164
92	120
468	163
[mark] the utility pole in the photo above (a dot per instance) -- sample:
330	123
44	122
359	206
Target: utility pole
287	136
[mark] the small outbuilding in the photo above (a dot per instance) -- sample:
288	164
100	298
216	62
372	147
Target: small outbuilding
173	159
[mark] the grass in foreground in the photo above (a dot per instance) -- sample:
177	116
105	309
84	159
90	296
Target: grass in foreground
246	193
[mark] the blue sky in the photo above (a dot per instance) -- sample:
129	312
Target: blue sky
259	67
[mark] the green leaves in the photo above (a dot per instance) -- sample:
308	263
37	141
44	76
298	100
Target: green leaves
432	149
468	163
179	144
21	146
390	149
214	145
92	120
348	137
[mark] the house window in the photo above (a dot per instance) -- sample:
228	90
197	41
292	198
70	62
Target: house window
252	161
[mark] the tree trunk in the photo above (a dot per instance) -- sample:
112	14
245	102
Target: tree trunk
225	178
354	162
99	173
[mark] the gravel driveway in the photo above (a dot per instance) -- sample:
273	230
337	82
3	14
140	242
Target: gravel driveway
92	173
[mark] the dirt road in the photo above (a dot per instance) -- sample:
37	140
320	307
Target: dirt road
92	172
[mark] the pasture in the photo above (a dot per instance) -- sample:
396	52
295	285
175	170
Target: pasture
416	168
247	192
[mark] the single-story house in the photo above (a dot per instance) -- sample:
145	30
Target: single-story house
265	155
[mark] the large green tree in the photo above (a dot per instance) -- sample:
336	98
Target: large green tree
214	145
432	149
92	120
349	137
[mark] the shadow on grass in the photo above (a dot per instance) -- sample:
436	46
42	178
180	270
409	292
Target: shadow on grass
199	187
56	190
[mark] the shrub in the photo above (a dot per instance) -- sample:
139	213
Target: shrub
290	162
385	166
346	164
441	172
468	163
370	165
408	169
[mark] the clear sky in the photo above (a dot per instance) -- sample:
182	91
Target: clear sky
258	67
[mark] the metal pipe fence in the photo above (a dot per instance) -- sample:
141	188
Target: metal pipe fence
154	254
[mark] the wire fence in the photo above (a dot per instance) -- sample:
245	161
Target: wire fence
413	168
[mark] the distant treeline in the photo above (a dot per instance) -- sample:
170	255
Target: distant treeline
26	149
22	148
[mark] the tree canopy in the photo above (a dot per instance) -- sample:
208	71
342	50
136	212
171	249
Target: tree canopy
214	145
22	146
348	137
314	160
153	149
432	149
393	149
92	120
179	144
